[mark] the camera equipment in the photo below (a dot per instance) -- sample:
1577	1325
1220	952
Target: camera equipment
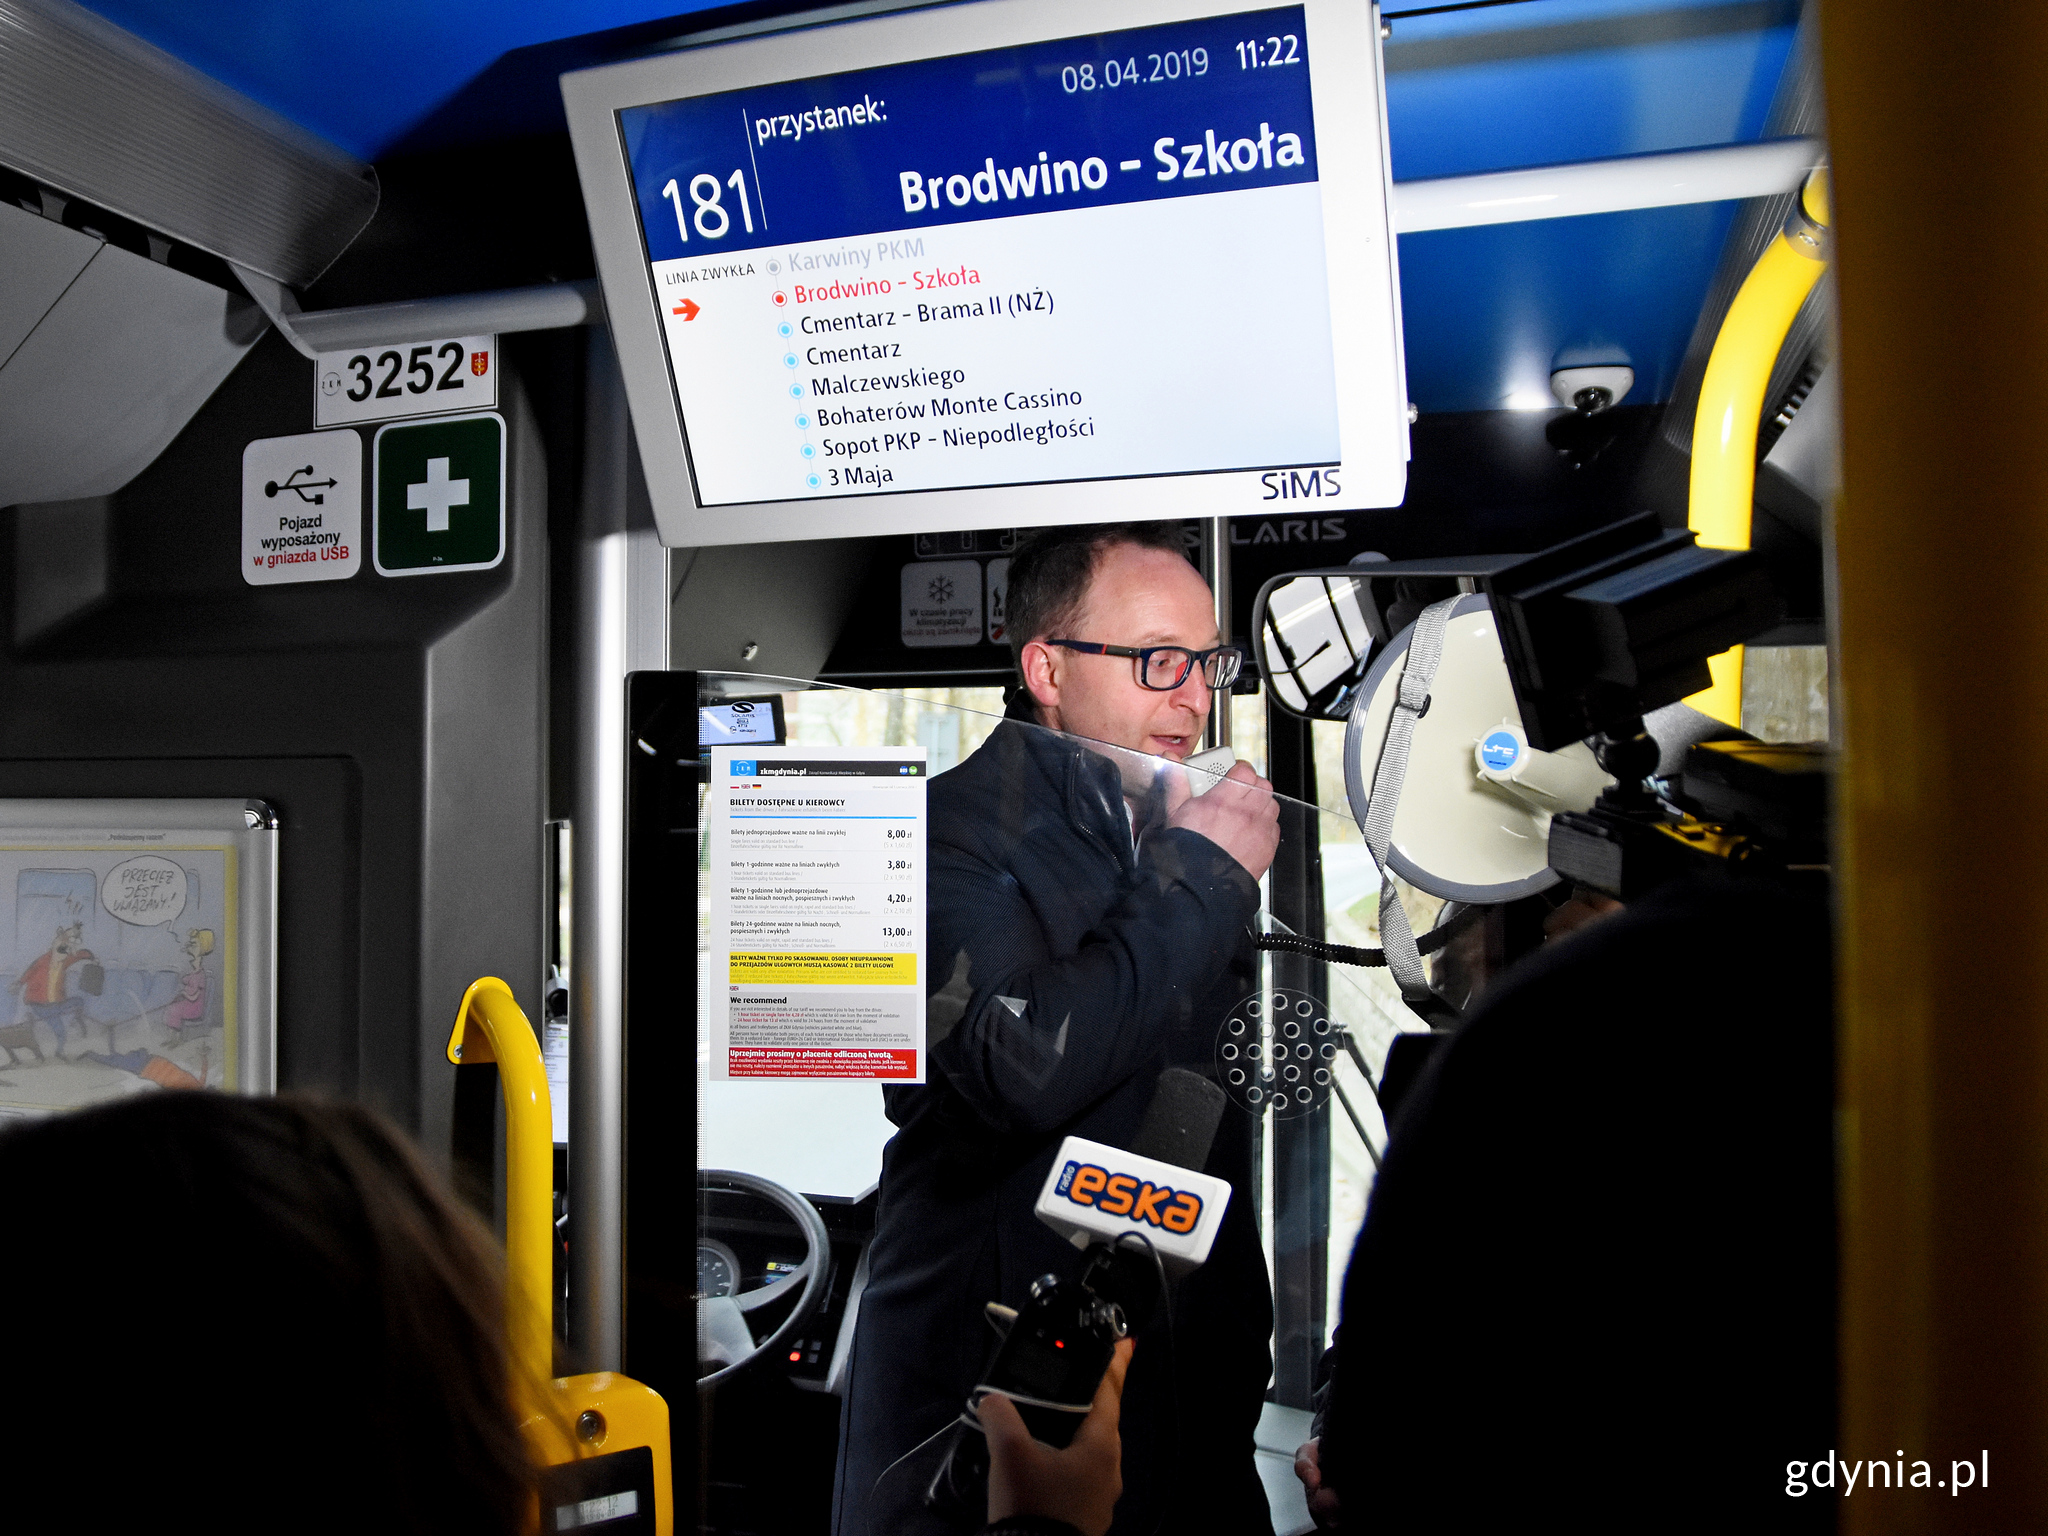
1755	808
1592	635
1141	1216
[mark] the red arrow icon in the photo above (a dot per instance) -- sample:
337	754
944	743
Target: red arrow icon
687	309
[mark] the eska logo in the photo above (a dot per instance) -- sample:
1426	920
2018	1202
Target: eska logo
1122	1194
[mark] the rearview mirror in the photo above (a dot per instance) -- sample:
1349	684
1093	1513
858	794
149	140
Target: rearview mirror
1314	637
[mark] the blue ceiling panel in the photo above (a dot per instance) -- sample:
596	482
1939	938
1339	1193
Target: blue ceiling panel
362	73
1458	120
1489	312
1527	84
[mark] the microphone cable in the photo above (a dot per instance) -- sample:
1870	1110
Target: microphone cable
868	1518
1347	954
1172	1369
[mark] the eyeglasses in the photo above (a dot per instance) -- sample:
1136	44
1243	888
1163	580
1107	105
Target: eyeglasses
1163	668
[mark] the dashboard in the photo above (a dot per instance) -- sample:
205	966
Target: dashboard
722	1272
744	1245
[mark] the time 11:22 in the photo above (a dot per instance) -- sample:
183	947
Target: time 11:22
1274	51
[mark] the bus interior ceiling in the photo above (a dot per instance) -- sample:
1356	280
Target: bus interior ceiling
416	737
476	190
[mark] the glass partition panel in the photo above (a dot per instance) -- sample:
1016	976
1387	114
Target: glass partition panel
933	943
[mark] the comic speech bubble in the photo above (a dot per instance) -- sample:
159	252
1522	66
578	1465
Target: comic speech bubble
146	891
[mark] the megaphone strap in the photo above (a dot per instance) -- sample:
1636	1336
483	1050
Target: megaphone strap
1397	936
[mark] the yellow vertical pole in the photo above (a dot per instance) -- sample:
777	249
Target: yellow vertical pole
491	1026
566	1418
1723	482
1939	147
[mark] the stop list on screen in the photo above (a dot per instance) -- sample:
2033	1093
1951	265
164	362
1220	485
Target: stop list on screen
1084	259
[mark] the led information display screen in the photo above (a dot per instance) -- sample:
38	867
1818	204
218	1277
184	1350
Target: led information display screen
1093	258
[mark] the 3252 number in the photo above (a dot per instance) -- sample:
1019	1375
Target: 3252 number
418	372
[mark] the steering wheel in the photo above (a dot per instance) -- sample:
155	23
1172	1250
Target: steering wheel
725	1340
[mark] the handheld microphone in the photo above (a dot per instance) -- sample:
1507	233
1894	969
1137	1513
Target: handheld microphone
1102	1194
1107	1201
1180	1123
1209	767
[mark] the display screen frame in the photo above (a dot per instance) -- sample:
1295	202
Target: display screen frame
1354	181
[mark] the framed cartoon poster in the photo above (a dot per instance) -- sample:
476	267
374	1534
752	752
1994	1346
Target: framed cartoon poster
138	944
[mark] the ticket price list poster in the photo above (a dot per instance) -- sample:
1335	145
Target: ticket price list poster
817	884
1092	258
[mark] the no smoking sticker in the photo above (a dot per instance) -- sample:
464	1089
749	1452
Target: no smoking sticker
998	599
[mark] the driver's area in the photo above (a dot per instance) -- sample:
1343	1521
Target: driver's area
775	1347
747	1308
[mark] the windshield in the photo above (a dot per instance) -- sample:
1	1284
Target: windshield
1059	831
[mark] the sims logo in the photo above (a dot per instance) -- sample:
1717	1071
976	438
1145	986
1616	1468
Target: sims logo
1292	485
1120	1194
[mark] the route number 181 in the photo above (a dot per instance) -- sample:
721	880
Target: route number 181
705	192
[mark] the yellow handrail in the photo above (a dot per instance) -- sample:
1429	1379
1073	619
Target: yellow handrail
569	1418
491	1026
1732	405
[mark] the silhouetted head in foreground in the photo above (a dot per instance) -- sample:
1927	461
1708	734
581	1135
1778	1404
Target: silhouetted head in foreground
257	1314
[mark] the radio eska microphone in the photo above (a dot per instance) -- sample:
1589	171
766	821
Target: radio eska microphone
1125	1209
1101	1194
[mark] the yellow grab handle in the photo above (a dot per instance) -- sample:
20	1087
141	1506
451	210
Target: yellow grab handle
491	1026
576	1417
1732	406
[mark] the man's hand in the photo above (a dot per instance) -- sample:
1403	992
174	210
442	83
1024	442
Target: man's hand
1322	1502
1585	906
1080	1484
1239	815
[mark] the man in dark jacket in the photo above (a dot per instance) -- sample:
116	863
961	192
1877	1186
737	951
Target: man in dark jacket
1089	927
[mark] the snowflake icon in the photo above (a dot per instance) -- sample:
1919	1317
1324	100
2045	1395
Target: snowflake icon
941	589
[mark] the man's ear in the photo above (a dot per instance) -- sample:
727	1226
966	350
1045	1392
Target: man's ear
1040	666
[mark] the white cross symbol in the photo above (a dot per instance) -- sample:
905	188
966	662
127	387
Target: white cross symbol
436	495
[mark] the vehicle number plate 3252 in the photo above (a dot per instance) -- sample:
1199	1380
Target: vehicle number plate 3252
414	378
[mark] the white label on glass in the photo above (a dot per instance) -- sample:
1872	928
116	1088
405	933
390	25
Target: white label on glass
942	602
817	885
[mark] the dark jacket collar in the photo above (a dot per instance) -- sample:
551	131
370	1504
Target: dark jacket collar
1047	765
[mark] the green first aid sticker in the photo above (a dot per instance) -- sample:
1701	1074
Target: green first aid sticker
440	495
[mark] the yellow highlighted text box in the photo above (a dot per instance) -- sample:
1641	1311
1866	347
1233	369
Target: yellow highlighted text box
832	969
